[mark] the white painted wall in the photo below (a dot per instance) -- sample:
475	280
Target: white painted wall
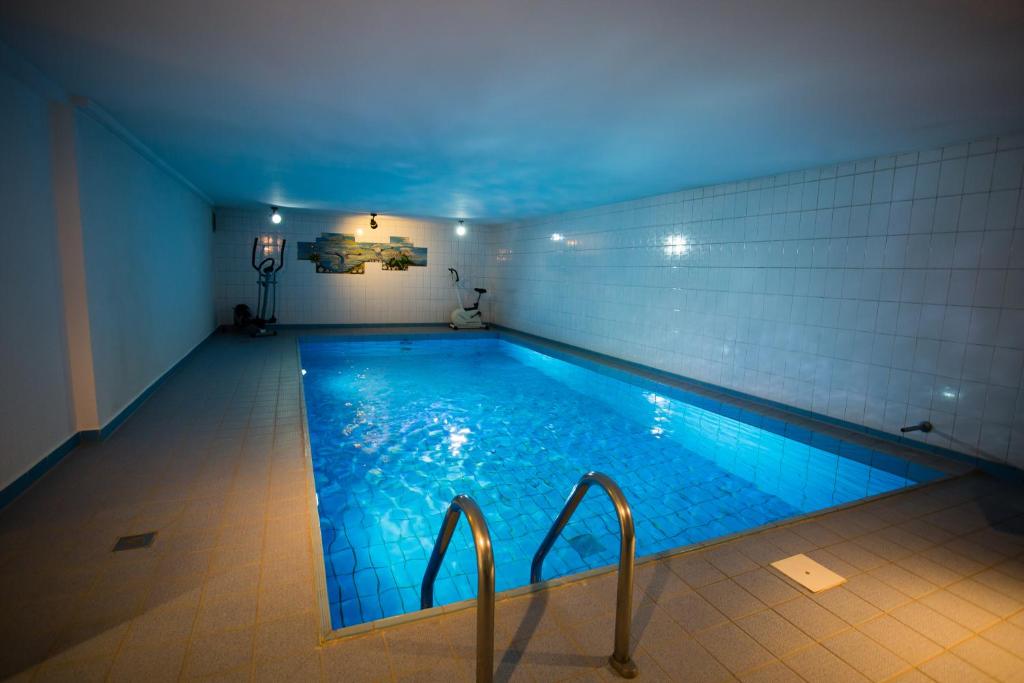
882	292
35	410
149	265
418	295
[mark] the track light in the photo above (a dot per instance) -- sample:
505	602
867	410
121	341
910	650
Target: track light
460	229
373	221
275	217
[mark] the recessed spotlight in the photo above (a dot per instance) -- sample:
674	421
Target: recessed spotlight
557	237
373	221
460	229
275	217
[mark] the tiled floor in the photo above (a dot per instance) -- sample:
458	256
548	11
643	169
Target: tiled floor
214	462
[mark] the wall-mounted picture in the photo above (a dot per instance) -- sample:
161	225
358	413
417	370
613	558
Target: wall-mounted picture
340	253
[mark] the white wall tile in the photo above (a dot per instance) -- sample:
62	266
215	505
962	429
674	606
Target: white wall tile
883	291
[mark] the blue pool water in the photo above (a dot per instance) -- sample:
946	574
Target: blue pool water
398	428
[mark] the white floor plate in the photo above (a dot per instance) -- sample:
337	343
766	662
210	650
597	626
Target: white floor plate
811	575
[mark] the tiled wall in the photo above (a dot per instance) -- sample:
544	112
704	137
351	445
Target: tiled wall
418	295
881	292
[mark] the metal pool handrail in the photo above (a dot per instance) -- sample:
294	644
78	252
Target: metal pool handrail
485	578
620	659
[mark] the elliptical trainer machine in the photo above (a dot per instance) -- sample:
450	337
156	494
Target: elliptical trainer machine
266	292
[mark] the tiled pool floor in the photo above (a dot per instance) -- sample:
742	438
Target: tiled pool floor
214	462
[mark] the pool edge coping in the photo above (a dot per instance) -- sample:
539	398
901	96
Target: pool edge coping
388	623
329	634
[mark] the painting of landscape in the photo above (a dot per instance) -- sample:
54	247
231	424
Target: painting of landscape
340	253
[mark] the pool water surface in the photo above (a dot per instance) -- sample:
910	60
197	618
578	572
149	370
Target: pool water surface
397	428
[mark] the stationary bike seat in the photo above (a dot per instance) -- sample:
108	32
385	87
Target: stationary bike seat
481	291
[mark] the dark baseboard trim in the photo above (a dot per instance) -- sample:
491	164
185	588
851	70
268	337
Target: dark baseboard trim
22	483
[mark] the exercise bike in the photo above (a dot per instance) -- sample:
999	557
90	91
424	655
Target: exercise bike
466	317
266	293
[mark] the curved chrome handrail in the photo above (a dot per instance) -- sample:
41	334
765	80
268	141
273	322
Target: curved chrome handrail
620	659
485	578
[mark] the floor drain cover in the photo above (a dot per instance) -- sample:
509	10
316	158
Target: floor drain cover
811	575
134	542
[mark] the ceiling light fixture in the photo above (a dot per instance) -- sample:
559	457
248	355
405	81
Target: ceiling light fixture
275	217
460	229
373	221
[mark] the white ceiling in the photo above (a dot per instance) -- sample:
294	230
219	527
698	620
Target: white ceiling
490	110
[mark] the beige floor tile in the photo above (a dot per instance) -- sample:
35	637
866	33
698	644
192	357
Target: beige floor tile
824	557
555	657
582	603
931	624
894	635
945	557
856	555
729	561
363	658
963	612
729	598
650	623
1008	636
930	571
731	646
948	668
985	597
86	641
766	586
1002	582
816	663
695	570
83	671
287	637
687	660
846	605
904	581
693	612
776	672
991	659
774	633
865	655
912	676
417	647
240	579
818	534
218	652
150	662
811	618
297	668
658	581
877	592
226	612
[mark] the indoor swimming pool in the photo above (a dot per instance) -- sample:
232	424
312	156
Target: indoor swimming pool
398	427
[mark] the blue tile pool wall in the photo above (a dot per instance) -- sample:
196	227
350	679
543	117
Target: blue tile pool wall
398	428
814	472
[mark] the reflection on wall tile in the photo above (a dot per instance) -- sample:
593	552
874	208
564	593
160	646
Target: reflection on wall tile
883	292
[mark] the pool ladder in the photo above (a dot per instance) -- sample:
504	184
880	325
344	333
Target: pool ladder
620	659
